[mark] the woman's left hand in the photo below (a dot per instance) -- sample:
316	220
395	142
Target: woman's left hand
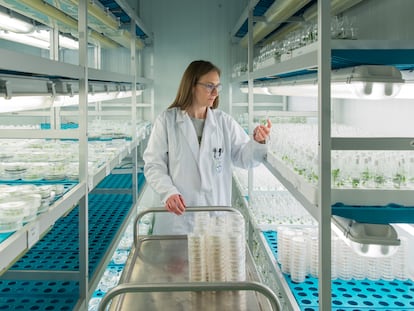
261	132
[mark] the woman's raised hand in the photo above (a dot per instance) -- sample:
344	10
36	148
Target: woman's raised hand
261	132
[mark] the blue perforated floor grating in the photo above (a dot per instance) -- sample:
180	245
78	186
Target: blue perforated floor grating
119	181
354	295
58	250
38	295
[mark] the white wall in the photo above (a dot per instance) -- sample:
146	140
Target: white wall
183	31
381	19
381	118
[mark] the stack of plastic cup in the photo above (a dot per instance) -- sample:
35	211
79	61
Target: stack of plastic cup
309	233
345	261
281	258
314	257
399	265
358	267
285	237
372	268
298	259
385	267
335	253
196	258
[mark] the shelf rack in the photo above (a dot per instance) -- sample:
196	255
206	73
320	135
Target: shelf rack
352	294
395	205
90	23
345	53
323	56
58	250
22	240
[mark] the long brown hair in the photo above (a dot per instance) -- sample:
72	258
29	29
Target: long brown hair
190	78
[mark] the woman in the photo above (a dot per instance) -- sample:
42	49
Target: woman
193	145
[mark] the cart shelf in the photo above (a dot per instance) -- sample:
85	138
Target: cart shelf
155	277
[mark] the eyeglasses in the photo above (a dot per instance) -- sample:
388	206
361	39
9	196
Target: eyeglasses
210	87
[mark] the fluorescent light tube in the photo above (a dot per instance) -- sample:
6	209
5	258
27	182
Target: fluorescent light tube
66	100
22	103
256	90
64	42
9	23
24	39
368	82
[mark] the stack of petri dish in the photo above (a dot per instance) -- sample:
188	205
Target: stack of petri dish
13	171
33	203
127	238
109	279
216	249
19	204
94	303
48	195
196	258
236	270
11	215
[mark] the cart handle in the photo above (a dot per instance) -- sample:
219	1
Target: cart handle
190	287
188	209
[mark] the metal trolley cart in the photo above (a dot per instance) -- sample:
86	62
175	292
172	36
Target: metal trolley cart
156	277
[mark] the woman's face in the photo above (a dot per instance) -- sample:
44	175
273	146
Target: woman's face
207	89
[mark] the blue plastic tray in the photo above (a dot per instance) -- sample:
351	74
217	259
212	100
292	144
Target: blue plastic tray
363	295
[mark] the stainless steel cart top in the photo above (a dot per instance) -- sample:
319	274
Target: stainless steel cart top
156	278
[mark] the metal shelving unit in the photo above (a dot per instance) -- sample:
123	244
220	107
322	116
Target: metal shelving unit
38	68
324	55
58	250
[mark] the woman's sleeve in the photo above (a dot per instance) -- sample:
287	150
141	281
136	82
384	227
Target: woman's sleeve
245	152
156	161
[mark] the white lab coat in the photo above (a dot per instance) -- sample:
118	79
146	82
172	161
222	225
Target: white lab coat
202	174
